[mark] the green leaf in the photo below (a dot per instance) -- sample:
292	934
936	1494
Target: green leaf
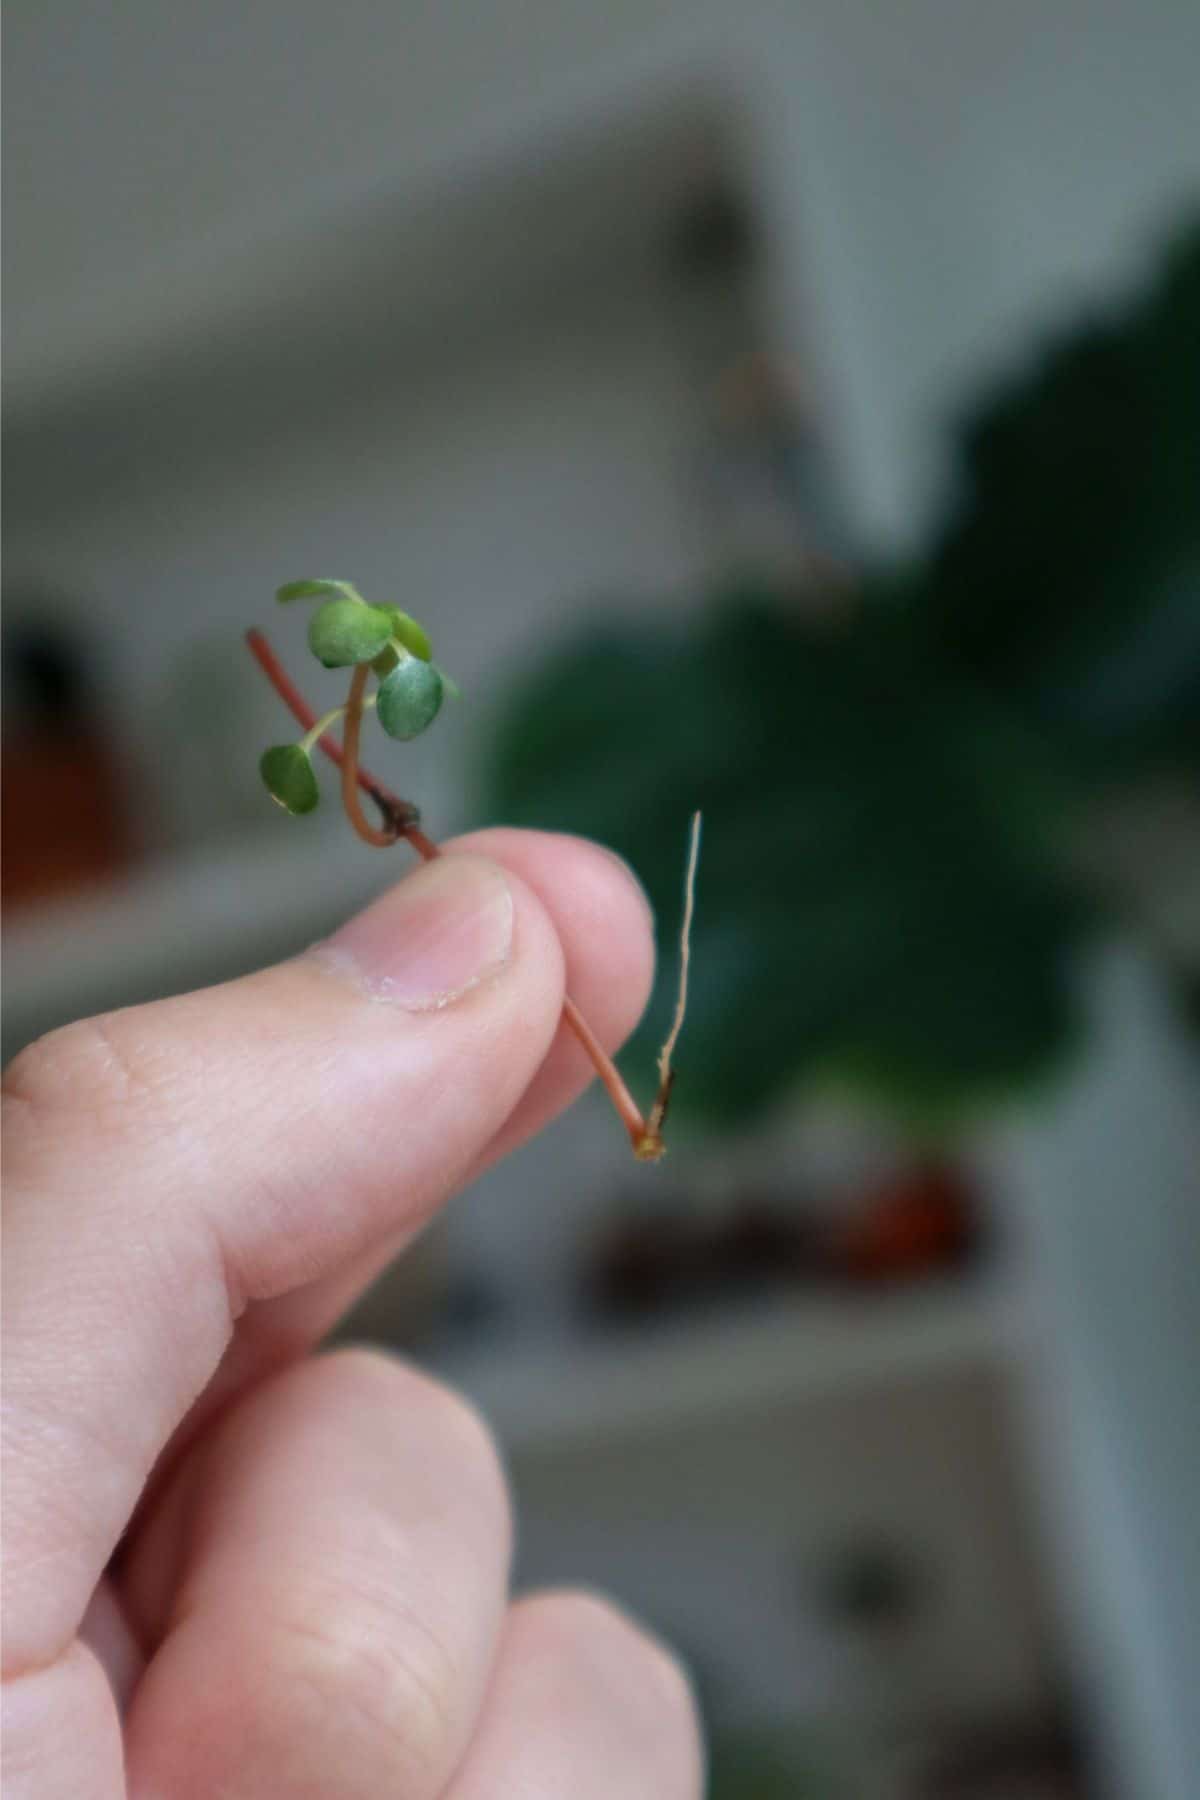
344	632
410	632
877	895
290	778
317	590
409	699
453	691
1066	578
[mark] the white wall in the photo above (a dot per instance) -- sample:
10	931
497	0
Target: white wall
1108	1182
949	173
497	494
985	167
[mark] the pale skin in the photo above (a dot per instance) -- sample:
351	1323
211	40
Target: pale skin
237	1565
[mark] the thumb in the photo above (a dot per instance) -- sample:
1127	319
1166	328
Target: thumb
168	1164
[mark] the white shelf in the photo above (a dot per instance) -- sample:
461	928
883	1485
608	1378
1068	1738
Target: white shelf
569	1395
184	918
266	324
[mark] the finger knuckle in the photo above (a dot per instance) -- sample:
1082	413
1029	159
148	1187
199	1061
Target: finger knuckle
96	1070
373	1687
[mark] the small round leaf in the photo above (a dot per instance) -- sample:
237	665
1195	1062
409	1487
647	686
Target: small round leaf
409	699
410	632
290	778
317	590
343	632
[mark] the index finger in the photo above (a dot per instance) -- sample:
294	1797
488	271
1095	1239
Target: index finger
169	1164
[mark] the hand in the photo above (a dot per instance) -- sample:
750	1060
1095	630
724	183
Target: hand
234	1567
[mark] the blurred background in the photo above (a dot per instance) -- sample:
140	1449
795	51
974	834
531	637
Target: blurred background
791	410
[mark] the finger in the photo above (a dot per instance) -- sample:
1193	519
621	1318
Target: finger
340	1596
60	1733
596	907
582	1703
593	898
605	928
169	1164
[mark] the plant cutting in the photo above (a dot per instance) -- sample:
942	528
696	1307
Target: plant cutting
389	647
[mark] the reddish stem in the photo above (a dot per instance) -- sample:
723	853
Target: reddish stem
400	821
399	814
627	1108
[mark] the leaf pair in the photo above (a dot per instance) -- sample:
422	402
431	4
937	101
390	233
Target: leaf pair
345	630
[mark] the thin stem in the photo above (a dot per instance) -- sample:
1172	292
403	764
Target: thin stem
370	834
327	720
401	814
320	728
649	1146
425	847
627	1108
685	950
401	821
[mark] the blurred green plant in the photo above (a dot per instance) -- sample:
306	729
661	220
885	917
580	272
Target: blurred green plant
1066	582
888	897
778	1763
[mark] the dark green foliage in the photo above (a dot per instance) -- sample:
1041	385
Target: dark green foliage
874	902
1068	579
886	894
776	1763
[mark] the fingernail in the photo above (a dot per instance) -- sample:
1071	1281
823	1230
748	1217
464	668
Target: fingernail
444	930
